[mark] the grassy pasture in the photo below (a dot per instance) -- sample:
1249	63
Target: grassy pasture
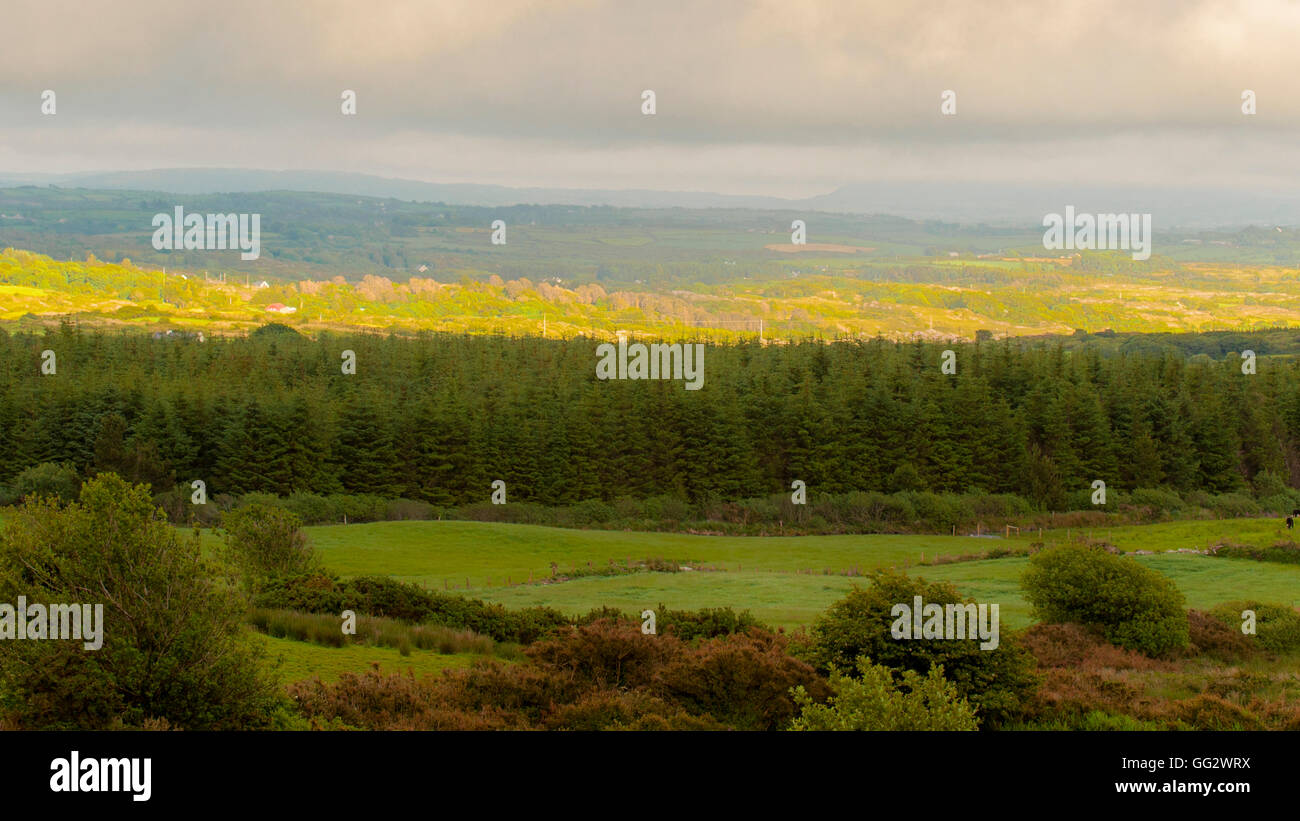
1195	533
432	553
793	600
759	573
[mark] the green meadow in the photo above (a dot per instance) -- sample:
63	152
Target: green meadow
785	581
438	554
1195	533
792	601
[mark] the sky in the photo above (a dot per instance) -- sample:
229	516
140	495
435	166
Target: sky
785	98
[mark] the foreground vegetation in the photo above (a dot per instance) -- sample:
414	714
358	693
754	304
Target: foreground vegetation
1099	640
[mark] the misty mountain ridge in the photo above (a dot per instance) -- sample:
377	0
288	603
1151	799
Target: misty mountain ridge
1004	204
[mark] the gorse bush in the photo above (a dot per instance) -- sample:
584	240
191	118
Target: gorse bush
873	700
1213	637
744	680
1134	606
605	654
1277	626
708	623
603	675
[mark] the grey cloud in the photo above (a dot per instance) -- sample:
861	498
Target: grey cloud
809	90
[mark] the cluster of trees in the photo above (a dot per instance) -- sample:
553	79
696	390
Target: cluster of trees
178	657
438	418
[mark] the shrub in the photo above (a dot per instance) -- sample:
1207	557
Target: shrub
266	540
312	508
604	654
385	597
180	653
1206	712
1158	499
486	696
874	701
382	596
1212	637
615	710
1267	483
1277	626
257	497
408	509
670	508
59	481
1134	606
746	681
1076	647
999	683
522	694
707	623
1233	505
177	504
1278	505
628	508
942	510
359	507
895	509
1283	552
1000	506
591	511
1069	693
374	701
306	592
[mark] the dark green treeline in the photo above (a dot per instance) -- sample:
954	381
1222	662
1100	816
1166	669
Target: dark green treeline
440	417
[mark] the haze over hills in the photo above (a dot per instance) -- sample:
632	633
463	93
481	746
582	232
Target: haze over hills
963	202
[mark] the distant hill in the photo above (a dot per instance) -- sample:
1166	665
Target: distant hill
247	180
1000	204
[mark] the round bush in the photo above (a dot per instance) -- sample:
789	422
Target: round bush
999	682
592	511
1234	505
1158	499
1134	606
48	479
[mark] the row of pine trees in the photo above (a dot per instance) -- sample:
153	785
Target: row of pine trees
439	417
